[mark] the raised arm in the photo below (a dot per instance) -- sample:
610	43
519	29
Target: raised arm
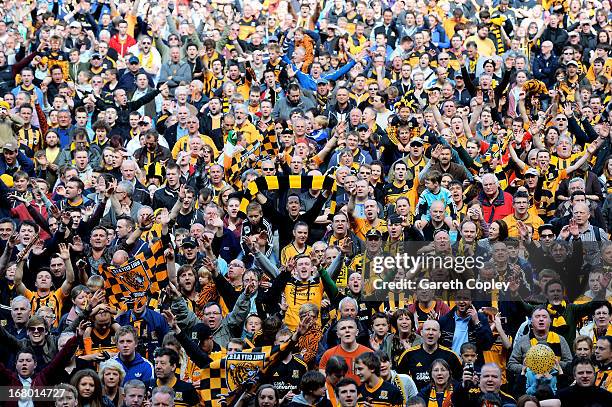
64	254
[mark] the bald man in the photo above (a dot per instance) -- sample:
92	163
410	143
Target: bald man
416	361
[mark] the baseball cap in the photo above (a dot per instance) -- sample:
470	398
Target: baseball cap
395	220
532	171
416	140
201	332
574	34
458	74
75	24
133	60
572	62
273	38
5	104
373	233
363	127
189	241
95	56
10	146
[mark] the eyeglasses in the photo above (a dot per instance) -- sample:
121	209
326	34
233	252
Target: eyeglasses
37	329
267	169
547	235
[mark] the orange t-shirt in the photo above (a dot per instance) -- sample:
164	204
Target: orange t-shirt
349	357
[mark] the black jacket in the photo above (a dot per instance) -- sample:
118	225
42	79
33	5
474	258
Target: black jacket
123	112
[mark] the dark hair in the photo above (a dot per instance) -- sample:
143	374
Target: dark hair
415	401
371	361
266	387
522	401
171	353
553	282
503	230
347	381
468	346
311	381
442	362
336	364
581	361
96	399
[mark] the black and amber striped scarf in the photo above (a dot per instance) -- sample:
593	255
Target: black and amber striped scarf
277	183
556	315
433	397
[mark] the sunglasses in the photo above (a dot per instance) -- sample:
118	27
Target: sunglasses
547	235
36	329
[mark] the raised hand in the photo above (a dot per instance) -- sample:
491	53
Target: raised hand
13	240
64	253
77	244
170	319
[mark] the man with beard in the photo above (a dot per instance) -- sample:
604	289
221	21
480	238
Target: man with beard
464	324
293	100
152	152
416	361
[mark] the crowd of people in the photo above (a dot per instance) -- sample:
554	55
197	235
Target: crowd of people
193	193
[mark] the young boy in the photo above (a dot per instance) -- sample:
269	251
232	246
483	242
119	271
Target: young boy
373	389
434	192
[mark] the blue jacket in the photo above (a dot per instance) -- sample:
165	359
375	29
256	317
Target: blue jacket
153	328
439	37
480	336
24	163
544	69
139	368
308	82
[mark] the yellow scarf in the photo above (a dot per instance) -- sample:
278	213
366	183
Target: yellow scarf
555	311
553	340
433	400
608	333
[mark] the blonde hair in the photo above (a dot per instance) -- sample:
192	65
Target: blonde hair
112	364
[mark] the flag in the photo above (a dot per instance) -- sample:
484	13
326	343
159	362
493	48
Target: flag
270	143
238	163
226	374
134	281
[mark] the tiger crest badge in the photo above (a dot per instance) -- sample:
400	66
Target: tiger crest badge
243	366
